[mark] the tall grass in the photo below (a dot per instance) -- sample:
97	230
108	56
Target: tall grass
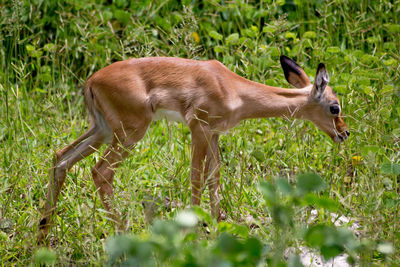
49	48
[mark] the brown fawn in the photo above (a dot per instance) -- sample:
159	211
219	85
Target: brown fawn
125	97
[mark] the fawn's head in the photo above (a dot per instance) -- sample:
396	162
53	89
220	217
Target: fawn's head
323	107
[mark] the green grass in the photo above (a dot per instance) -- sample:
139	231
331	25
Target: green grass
48	49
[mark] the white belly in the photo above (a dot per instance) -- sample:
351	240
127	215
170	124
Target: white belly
170	115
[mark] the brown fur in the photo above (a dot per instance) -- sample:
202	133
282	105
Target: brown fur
123	97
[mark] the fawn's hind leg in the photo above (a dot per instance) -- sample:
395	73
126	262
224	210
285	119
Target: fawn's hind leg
65	159
104	170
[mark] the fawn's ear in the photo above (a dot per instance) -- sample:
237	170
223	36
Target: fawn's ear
321	81
294	74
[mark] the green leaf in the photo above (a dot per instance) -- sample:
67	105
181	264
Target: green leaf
37	53
203	215
391	199
392	28
120	3
46	77
50	47
373	39
390	62
365	150
258	155
322	202
281	2
294	261
315	235
282	215
284	186
330	240
368	59
166	229
134	250
254	247
389	46
309	182
4	237
227	244
107	15
39	90
387	88
310	35
363	81
307	43
269	192
341	89
250	32
357	53
290	35
32	51
163	23
329	252
224	226
233	38
333	50
368	90
240	230
118	245
220	49
346	76
396	132
270	29
215	35
228	59
45	68
122	16
30	48
391	168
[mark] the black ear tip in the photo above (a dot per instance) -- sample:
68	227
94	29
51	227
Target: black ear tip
287	62
321	66
284	58
289	65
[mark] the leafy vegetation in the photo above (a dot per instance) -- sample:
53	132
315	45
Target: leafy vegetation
49	48
173	242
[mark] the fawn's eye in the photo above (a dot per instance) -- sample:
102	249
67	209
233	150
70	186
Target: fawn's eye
334	109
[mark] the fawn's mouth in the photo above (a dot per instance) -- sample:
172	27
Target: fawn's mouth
340	137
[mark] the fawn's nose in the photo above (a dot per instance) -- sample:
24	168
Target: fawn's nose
347	133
